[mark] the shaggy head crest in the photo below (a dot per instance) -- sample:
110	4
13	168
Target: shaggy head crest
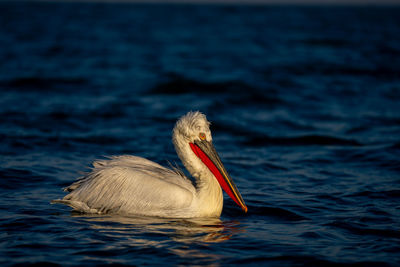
192	125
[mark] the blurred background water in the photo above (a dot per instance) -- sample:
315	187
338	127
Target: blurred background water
304	103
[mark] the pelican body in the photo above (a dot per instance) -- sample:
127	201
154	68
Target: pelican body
137	186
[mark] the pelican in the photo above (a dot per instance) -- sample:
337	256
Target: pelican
132	185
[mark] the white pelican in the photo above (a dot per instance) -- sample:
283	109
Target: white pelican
137	186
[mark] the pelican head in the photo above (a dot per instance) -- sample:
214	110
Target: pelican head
193	143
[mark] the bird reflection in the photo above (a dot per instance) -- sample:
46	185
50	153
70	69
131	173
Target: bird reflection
184	238
206	230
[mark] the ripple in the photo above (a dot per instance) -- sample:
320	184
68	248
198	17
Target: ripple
385	194
276	213
14	178
44	84
358	229
182	85
307	140
38	263
286	260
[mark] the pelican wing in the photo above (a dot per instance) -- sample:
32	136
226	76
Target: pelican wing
129	184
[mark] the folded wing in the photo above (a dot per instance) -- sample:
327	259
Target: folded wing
127	183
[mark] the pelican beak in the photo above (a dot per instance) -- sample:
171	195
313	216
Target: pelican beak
205	151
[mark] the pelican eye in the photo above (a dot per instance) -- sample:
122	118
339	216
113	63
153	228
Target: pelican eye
202	136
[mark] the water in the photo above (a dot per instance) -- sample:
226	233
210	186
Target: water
304	104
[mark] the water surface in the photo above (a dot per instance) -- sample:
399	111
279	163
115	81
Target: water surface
304	105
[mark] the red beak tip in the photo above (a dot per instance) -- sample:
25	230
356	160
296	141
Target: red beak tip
245	209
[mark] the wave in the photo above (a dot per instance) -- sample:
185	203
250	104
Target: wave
358	229
387	194
300	260
43	84
396	146
306	140
326	42
14	178
177	84
233	91
264	211
330	69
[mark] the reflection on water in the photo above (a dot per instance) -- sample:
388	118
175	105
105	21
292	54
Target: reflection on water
187	235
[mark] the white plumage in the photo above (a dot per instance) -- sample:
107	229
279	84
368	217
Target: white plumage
134	185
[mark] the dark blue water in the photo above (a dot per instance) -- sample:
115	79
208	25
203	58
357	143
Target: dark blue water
305	111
